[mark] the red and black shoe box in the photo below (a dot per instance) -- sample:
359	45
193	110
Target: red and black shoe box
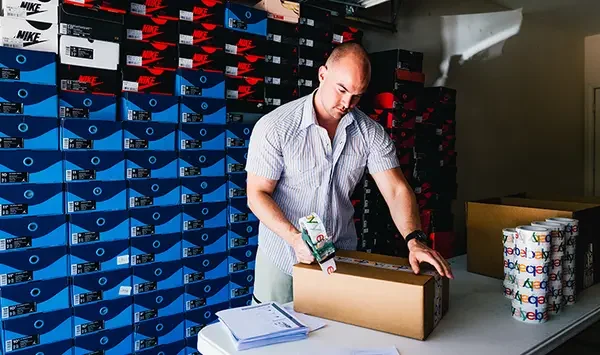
439	114
148	80
439	96
116	6
406	156
449	158
204	11
165	9
443	243
87	80
247	65
448	143
238	43
90	23
311	16
344	34
282	32
277	95
406	96
318	38
391	119
245	89
205	58
387	62
403	138
281	61
149	54
313	57
143	28
201	34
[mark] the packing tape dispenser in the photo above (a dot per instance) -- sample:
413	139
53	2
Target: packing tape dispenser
321	245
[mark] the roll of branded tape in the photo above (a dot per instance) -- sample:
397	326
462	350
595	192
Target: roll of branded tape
320	244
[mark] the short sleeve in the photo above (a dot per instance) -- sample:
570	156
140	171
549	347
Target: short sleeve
264	151
382	152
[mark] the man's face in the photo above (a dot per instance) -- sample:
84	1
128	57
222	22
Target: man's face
341	86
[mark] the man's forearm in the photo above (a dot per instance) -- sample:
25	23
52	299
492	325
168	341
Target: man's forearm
405	211
269	213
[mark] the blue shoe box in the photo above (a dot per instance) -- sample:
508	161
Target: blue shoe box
206	293
159	331
192	346
154	220
176	348
17	133
243	18
242	259
148	107
95	196
100	226
39	167
240	301
34	264
31	199
238	135
99	256
34	297
199	318
236	186
94	165
236	160
101	286
63	347
150	135
202	110
204	215
87	106
201	163
239	212
153	192
32	232
196	136
107	342
157	304
204	241
103	315
27	66
155	248
200	84
203	189
36	329
241	284
204	267
242	234
146	165
157	276
91	135
18	98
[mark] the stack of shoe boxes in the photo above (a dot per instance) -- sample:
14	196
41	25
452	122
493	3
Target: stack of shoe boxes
420	122
34	284
315	36
246	50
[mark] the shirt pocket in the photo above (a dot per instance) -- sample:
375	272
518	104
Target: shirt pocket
350	168
301	172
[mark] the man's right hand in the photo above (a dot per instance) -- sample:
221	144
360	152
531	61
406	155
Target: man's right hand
302	251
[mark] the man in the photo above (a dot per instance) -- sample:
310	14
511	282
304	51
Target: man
308	156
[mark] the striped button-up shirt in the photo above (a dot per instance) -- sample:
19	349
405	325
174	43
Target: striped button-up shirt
314	173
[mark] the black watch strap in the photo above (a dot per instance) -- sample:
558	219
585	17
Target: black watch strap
419	235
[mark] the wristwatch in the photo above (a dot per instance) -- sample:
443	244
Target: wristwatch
419	235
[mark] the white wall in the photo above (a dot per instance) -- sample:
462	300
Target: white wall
519	117
592	80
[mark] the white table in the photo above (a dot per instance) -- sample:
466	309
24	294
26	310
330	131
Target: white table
478	322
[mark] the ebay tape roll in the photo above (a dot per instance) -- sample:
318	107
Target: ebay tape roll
568	268
571	231
528	313
320	244
533	245
558	236
508	239
439	284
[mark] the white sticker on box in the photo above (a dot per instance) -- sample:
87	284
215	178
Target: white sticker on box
186	39
231	70
122	259
186	15
124	290
134	60
277	38
130	86
186	63
135	34
310	22
338	38
230	49
276	60
12	11
139	9
232	94
12	42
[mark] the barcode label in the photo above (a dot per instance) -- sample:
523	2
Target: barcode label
186	15
130	86
123	260
125	291
277	38
12	42
232	94
135	34
338	38
138	9
230	49
12	11
186	39
2	244
231	70
3	280
134	60
63	28
186	63
71	206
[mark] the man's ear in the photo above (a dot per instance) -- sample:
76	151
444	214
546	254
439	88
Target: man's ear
322	73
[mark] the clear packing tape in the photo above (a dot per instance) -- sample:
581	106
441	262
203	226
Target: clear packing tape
319	243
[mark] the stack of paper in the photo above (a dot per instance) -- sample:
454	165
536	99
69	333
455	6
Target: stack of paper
261	325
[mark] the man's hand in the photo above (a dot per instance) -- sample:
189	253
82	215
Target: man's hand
418	252
303	254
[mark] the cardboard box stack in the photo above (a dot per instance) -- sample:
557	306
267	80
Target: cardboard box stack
417	119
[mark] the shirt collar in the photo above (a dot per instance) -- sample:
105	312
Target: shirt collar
309	117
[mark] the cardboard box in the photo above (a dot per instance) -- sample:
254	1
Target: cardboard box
288	11
486	218
406	303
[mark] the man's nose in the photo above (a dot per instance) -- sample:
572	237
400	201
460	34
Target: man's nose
346	100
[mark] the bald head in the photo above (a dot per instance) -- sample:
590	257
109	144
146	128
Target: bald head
354	53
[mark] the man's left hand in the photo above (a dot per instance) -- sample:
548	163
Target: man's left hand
419	252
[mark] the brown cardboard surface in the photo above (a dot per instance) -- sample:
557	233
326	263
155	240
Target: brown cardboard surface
392	301
487	218
288	11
